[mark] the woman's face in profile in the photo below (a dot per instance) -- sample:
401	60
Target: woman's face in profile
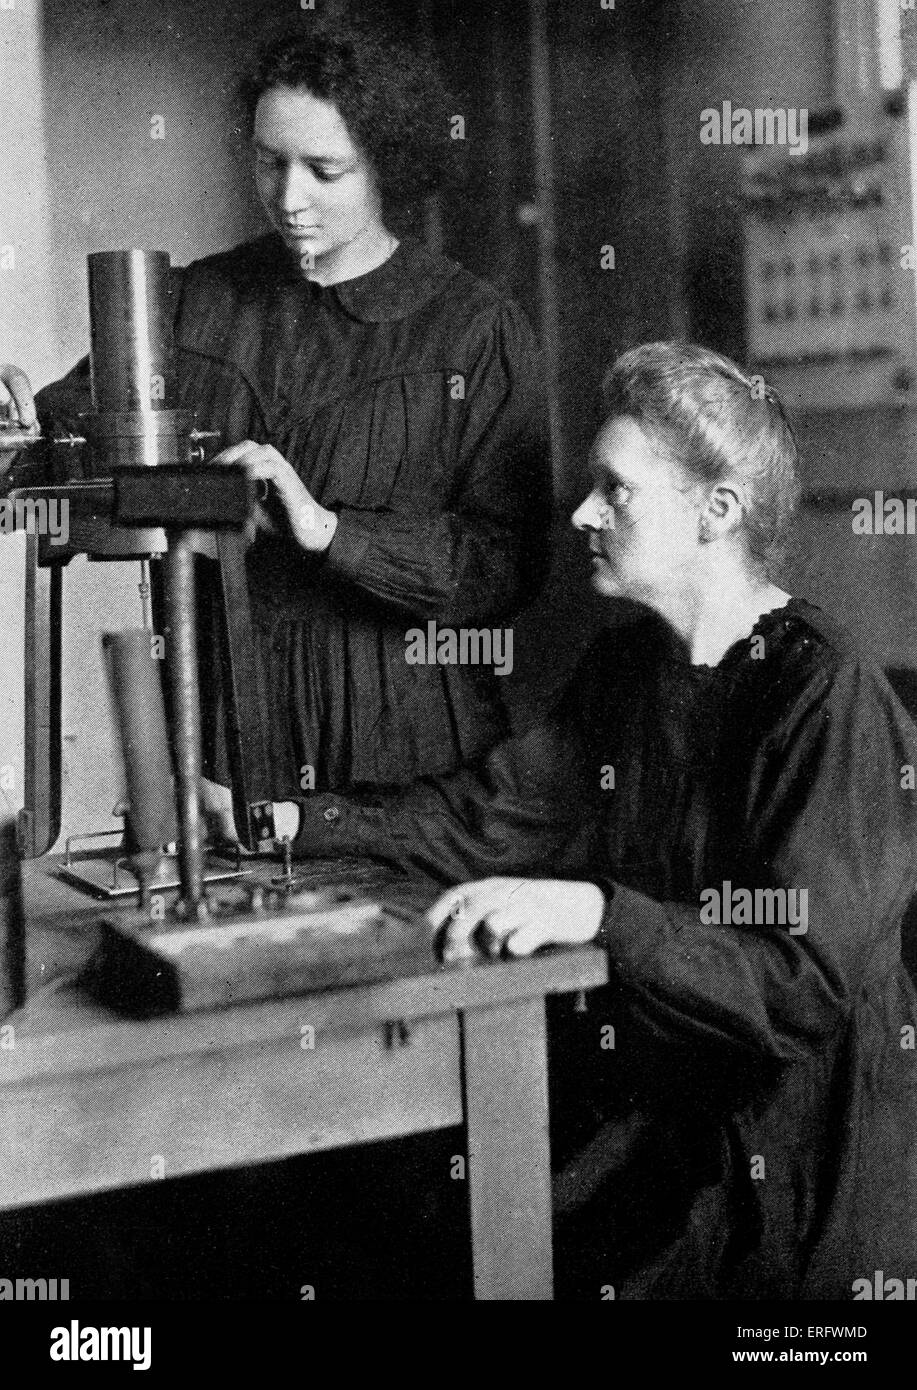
315	184
642	517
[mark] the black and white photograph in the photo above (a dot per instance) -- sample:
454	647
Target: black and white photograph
458	605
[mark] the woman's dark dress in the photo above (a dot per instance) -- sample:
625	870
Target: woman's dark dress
409	402
754	1131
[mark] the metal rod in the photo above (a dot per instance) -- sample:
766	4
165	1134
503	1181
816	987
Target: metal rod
181	659
16	439
146	595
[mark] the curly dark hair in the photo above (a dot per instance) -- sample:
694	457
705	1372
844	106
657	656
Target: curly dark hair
389	93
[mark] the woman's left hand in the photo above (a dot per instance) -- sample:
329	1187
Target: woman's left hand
516	915
313	527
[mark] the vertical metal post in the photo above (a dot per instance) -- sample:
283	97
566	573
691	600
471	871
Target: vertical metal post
181	658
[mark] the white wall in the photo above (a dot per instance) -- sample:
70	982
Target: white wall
27	326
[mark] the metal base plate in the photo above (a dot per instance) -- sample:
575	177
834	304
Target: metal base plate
110	876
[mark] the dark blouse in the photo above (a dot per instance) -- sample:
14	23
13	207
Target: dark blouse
754	1131
409	402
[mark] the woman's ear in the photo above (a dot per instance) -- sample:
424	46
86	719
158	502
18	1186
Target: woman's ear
723	511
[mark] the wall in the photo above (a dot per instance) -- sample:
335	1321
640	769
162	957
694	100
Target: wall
27	327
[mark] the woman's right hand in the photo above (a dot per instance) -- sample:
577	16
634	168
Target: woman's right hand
216	813
17	400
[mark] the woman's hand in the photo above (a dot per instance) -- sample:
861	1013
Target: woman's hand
514	916
17	401
218	823
313	527
216	813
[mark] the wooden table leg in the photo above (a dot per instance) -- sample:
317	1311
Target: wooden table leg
506	1112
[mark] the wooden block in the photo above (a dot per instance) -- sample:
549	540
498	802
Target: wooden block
319	941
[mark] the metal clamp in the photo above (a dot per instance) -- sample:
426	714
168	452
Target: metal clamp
71	840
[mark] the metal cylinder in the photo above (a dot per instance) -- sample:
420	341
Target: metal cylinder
140	710
131	314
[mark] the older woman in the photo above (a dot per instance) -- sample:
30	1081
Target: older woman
390	402
723	800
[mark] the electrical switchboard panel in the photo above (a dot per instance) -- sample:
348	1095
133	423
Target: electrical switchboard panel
830	260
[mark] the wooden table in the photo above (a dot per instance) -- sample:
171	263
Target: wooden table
90	1101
